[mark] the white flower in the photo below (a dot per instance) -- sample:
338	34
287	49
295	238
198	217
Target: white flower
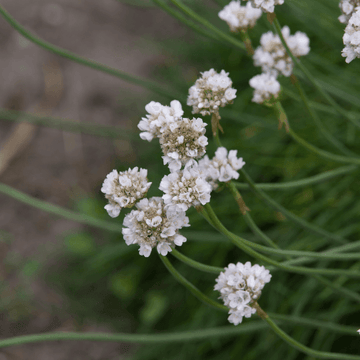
208	92
223	166
124	189
182	141
240	286
239	17
272	56
266	87
347	8
358	331
266	5
159	115
185	188
151	225
351	37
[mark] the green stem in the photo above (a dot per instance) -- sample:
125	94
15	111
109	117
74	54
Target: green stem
184	20
194	290
185	336
306	225
317	120
300	183
83	61
68	125
349	330
186	10
297	62
240	243
195	264
304	349
323	153
59	211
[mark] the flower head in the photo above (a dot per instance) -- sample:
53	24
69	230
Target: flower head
158	116
152	225
186	188
266	5
211	91
272	56
266	88
183	140
123	189
239	17
222	167
351	37
347	8
240	286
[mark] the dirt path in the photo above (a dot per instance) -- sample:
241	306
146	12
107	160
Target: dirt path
50	164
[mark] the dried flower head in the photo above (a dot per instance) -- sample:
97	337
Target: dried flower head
240	286
153	225
186	188
183	140
158	116
210	92
272	56
267	88
239	17
351	37
266	5
347	8
124	189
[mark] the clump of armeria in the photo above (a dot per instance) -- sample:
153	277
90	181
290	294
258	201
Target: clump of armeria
185	188
267	88
240	287
158	116
152	225
183	140
351	37
222	167
124	189
266	5
347	8
272	56
239	17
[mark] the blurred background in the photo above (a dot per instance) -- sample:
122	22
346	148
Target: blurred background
57	275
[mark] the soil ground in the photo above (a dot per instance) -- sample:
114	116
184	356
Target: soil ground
50	164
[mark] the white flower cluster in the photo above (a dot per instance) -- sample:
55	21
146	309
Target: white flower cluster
272	56
240	286
351	37
183	140
222	167
266	5
153	225
159	116
267	88
186	188
210	92
239	17
124	189
347	8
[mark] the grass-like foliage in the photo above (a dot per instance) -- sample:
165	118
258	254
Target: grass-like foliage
302	186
